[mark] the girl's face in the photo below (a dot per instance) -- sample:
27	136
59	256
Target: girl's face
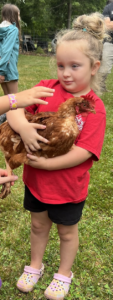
74	68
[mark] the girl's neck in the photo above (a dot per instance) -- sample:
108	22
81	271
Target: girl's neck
83	92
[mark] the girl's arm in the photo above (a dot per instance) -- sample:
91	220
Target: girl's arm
28	130
5	178
26	98
73	158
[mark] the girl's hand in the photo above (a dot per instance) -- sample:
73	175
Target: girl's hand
31	139
32	96
5	178
2	78
37	162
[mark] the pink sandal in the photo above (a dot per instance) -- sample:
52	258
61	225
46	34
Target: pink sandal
59	287
29	278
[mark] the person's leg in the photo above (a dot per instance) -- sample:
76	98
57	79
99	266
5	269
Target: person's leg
107	59
59	287
69	242
4	88
66	216
40	227
12	87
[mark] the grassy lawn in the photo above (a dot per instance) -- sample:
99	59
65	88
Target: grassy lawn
93	266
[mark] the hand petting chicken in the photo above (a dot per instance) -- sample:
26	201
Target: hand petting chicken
61	131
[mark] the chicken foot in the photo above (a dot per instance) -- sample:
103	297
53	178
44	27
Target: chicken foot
6	188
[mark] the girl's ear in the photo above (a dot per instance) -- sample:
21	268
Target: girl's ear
95	67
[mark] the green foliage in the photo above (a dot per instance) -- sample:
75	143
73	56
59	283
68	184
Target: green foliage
44	16
93	273
40	50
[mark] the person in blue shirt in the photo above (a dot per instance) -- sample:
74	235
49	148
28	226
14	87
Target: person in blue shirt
9	48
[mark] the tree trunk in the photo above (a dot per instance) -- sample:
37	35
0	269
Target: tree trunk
69	13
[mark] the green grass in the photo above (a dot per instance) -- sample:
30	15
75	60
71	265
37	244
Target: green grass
93	266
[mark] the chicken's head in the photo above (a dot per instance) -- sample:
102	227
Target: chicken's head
84	106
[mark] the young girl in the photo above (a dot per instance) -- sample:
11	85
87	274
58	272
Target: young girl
9	48
56	188
21	99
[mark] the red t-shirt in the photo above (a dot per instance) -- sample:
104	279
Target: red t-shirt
68	185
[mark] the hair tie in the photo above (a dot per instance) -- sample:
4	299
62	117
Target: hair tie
84	29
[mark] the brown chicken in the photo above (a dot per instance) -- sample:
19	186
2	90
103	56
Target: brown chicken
61	131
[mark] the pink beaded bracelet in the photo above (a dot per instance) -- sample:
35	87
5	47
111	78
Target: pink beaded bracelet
12	101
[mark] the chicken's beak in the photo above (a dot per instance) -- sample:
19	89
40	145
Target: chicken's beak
92	110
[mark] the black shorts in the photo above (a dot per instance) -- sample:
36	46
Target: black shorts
66	214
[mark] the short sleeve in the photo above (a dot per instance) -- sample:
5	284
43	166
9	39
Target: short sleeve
91	137
41	83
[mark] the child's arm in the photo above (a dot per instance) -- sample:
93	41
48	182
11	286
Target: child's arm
89	144
73	158
20	124
5	178
27	131
26	98
33	95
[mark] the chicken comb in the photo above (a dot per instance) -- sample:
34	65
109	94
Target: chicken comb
91	98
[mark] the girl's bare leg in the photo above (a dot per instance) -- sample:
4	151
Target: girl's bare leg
40	227
69	242
10	87
4	88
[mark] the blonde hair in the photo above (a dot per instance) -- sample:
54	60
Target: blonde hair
90	28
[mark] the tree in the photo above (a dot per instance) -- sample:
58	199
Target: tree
43	16
62	13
